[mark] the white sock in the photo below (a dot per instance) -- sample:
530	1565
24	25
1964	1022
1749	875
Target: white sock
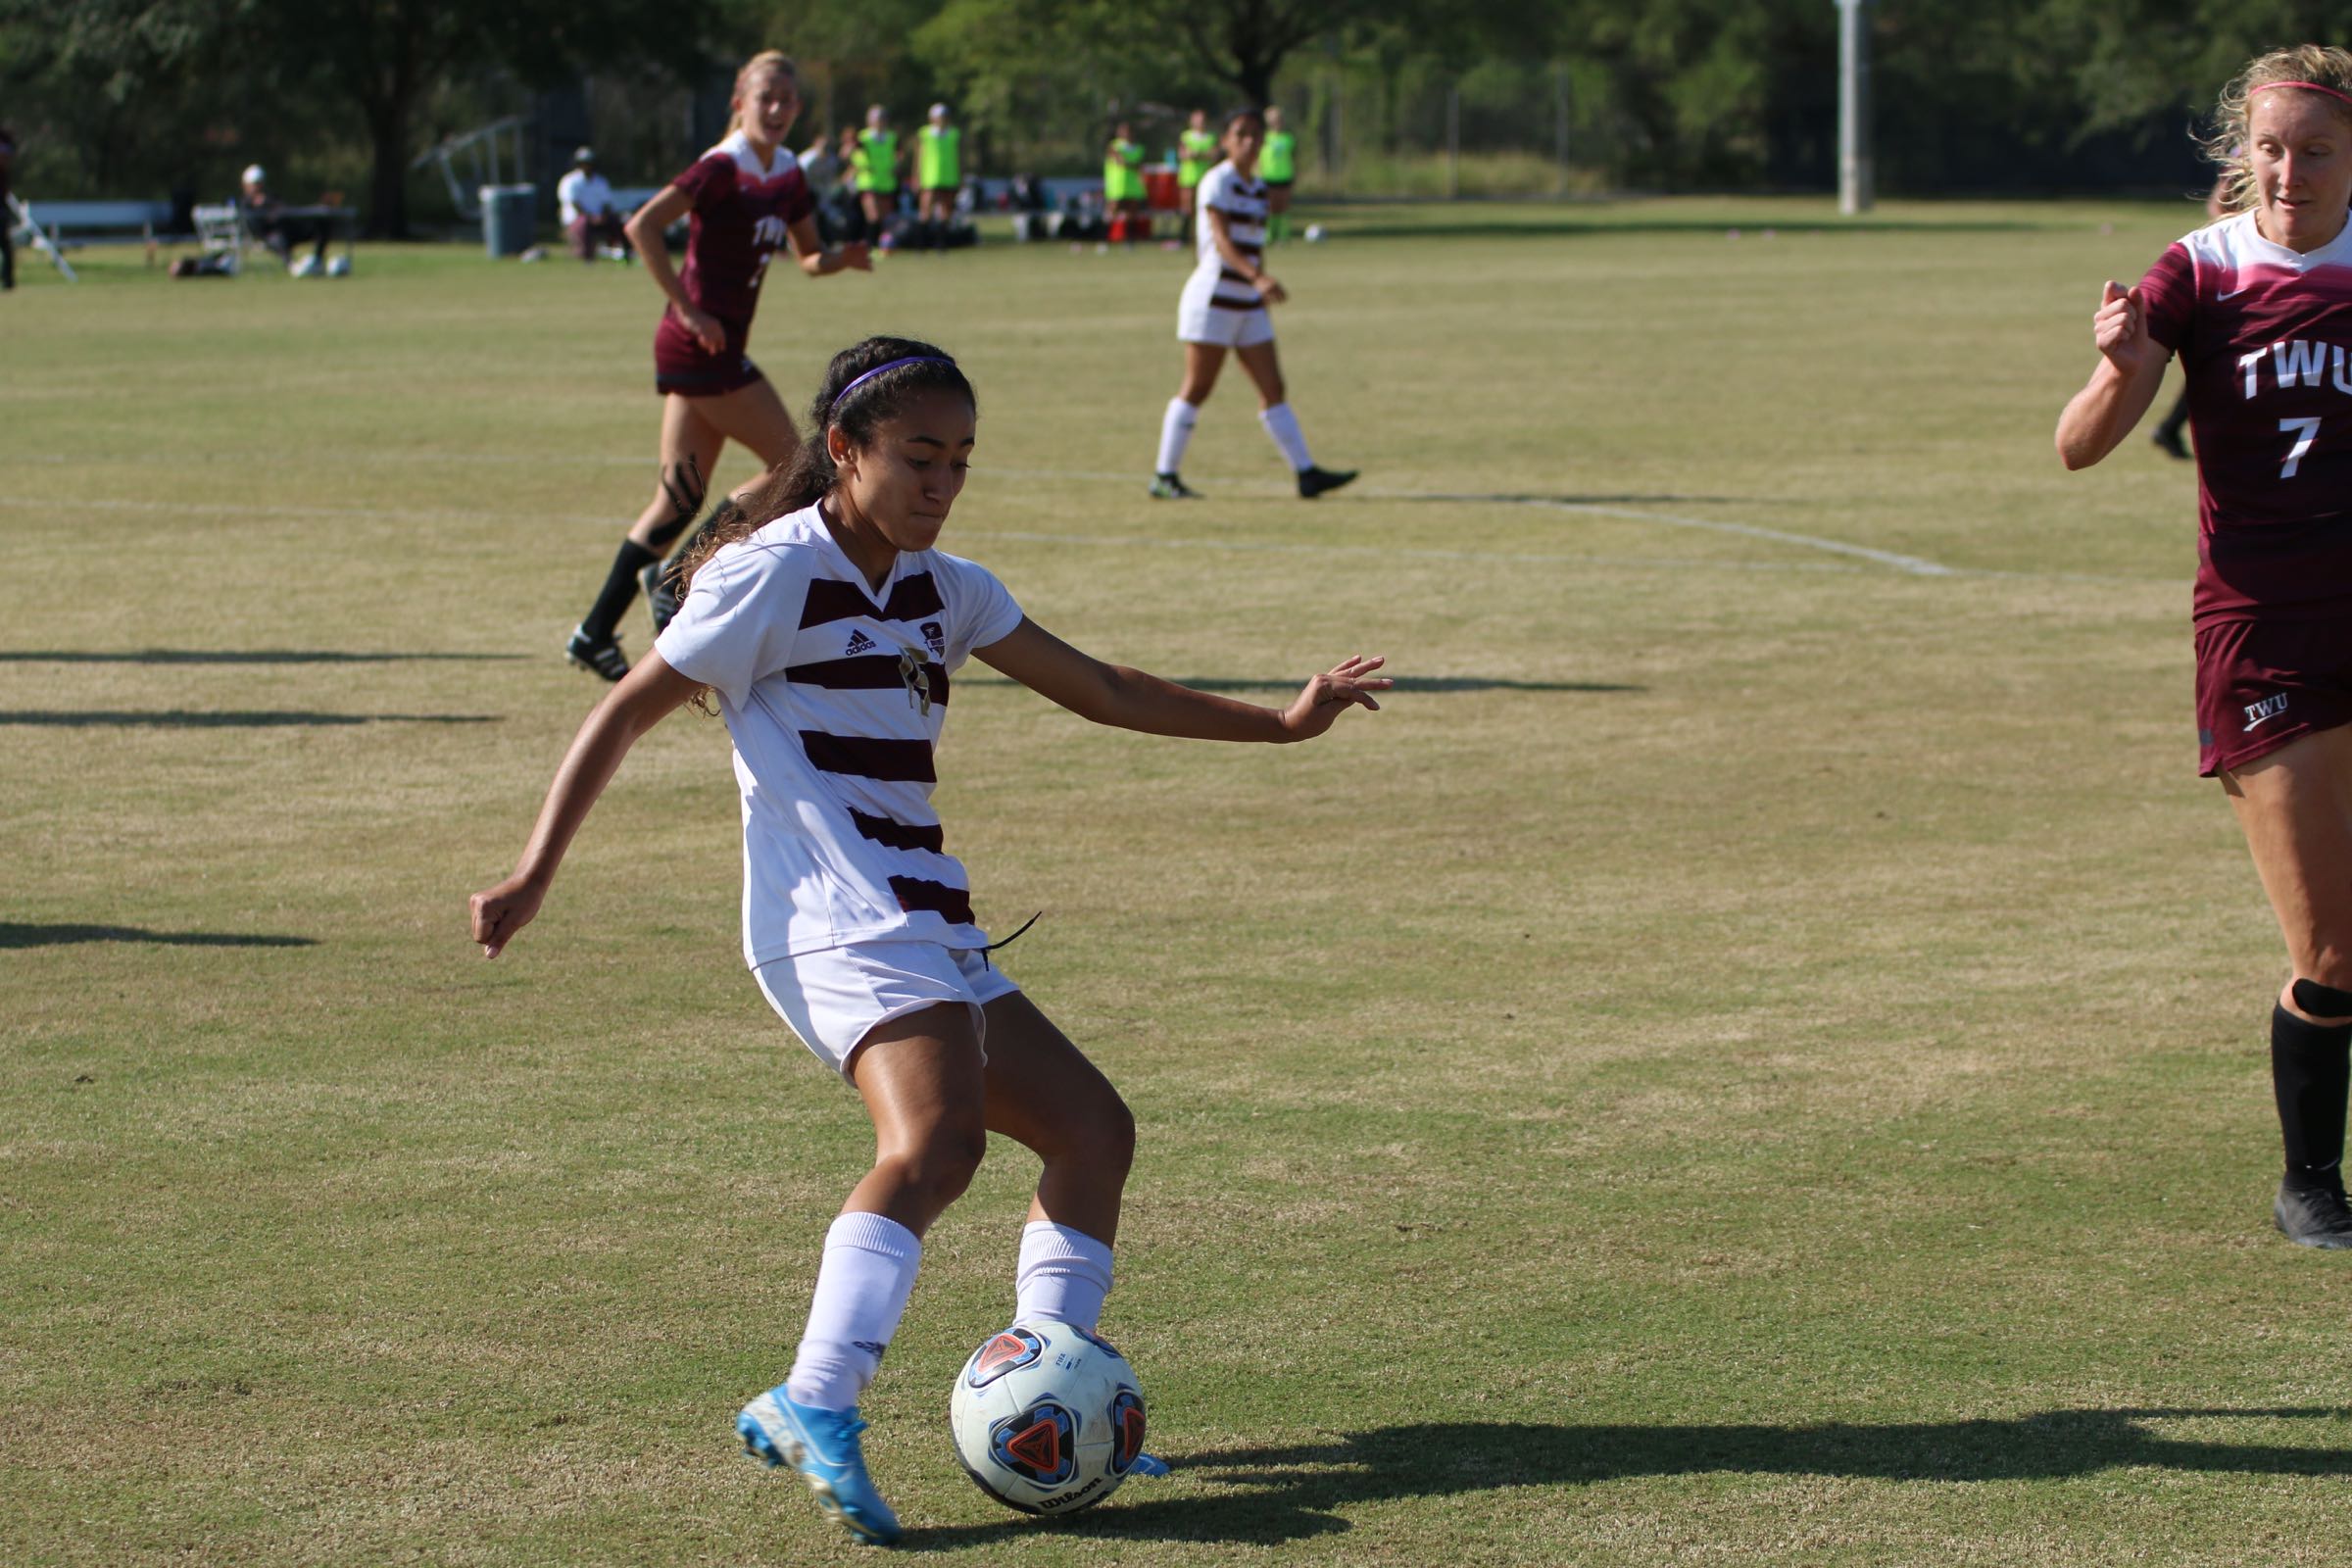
1176	433
861	1288
1283	426
1064	1274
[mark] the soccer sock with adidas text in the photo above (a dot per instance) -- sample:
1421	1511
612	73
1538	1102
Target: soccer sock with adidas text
2311	1067
1283	426
1063	1276
861	1289
619	591
1176	433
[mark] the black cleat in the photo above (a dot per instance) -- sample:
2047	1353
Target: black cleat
2313	1217
660	586
2168	438
1167	487
1312	482
597	657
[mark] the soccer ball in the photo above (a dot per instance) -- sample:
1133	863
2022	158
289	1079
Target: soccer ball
1314	233
338	266
1047	1418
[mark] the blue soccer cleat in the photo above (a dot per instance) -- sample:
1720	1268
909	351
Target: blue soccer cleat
1147	1465
822	1446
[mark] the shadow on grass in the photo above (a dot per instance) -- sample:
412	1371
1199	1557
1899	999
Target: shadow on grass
1404	683
1286	1494
223	656
15	935
1529	499
182	719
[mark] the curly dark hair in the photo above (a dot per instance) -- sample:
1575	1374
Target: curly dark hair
810	475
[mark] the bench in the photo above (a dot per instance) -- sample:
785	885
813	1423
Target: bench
69	224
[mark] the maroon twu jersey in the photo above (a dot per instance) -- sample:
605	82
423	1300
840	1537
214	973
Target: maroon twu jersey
2264	333
742	213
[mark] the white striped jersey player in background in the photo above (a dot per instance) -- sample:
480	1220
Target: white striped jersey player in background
1224	307
829	630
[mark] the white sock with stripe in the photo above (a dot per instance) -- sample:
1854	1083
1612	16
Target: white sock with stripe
861	1289
1283	426
1176	433
1063	1275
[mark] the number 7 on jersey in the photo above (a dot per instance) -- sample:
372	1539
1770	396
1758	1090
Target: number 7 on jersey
2310	432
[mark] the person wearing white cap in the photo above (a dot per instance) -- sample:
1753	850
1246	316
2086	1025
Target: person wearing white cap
266	219
584	199
939	166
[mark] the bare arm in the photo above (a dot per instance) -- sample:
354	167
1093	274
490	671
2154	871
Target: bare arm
645	229
2130	372
647	695
1222	234
1129	698
809	249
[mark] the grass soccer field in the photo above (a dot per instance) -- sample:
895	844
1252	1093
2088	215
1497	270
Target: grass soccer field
1753	1057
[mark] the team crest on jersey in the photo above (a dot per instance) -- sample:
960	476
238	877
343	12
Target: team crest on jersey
861	642
937	636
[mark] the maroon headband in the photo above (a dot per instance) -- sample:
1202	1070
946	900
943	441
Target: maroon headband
2313	86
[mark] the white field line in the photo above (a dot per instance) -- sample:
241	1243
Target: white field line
1913	566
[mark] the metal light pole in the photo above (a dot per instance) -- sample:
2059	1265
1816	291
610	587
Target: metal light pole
1854	161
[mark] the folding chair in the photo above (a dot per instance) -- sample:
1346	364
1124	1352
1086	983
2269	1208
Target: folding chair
220	235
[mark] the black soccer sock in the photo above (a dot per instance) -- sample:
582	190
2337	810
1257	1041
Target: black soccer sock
2310	1065
2177	420
620	588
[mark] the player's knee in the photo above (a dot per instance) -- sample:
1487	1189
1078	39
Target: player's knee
1103	1140
942	1162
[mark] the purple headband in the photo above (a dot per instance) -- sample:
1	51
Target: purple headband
915	359
2309	86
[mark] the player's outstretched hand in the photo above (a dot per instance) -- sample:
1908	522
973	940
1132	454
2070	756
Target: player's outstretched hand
1348	685
501	912
2121	327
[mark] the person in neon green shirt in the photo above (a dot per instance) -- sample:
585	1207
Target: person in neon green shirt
1124	180
878	174
1278	166
1196	150
938	165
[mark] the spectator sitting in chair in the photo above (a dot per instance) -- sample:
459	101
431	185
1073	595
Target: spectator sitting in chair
267	220
590	220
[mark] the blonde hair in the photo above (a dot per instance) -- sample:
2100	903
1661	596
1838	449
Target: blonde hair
765	60
2321	64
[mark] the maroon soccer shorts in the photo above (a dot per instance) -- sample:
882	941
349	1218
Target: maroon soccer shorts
2261	684
682	365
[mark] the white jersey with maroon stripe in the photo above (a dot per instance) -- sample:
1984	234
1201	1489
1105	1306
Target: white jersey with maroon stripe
834	694
1242	200
2265	334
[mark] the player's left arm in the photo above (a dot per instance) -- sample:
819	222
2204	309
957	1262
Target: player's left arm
809	249
1130	699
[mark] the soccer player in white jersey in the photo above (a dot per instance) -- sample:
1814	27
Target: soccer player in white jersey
2259	308
1224	307
828	628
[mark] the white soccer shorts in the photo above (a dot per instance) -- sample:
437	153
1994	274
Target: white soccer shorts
835	997
1199	321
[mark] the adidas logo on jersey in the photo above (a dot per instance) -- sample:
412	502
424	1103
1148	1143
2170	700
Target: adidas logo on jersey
861	642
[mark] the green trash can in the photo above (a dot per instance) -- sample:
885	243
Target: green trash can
510	219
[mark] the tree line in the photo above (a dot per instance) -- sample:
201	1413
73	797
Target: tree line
124	97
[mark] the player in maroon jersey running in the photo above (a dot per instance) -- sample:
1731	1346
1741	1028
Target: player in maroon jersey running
2259	308
743	198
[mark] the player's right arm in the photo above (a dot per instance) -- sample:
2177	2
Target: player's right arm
648	693
2120	390
645	227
